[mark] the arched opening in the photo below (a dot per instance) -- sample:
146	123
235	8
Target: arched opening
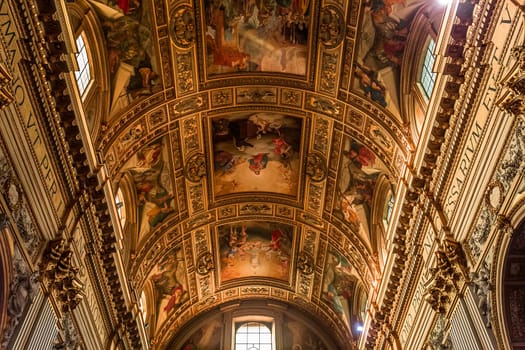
514	288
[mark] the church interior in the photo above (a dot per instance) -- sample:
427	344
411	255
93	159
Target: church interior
262	174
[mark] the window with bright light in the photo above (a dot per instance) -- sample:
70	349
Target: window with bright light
121	210
428	77
83	75
253	336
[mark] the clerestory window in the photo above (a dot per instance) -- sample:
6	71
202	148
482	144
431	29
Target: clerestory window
254	336
428	77
83	75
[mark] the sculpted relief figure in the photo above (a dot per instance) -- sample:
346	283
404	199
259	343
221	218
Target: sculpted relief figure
23	287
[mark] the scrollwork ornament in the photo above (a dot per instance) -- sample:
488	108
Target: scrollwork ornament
182	27
205	263
316	167
305	263
518	85
195	168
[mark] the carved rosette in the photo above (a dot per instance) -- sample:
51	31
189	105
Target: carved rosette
305	263
450	271
205	263
316	167
182	28
331	27
195	168
60	276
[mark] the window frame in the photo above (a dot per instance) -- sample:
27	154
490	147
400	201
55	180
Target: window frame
83	66
427	77
239	322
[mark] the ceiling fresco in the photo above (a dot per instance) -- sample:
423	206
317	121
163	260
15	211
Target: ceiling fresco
384	31
255	249
255	143
128	28
256	36
256	152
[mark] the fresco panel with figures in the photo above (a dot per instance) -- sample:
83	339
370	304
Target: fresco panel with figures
255	249
256	152
384	31
262	35
128	30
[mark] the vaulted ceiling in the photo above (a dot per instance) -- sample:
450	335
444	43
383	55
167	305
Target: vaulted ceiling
255	147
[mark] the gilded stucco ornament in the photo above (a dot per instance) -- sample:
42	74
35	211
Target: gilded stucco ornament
195	168
316	167
448	274
184	72
182	29
305	263
331	27
205	263
60	276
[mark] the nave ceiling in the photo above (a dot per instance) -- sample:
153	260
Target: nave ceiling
255	147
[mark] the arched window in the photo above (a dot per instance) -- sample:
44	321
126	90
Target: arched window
254	336
83	75
428	77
